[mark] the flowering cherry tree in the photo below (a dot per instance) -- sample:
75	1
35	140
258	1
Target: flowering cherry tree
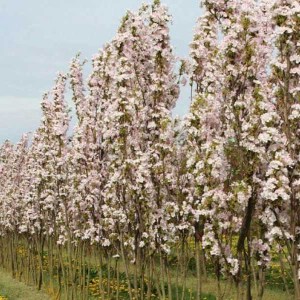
130	187
283	183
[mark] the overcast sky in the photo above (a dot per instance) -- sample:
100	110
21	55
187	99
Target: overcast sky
40	37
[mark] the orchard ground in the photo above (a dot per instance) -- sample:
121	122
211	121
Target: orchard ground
12	289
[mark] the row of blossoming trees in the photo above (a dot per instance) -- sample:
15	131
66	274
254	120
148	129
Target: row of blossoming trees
131	190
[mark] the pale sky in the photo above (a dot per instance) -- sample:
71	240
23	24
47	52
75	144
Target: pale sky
40	37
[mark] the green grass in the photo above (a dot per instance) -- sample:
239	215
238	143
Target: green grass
15	290
12	289
209	288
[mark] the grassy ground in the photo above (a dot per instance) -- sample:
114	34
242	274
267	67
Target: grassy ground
210	287
12	289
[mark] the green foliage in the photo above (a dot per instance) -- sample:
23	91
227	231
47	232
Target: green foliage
280	20
245	23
